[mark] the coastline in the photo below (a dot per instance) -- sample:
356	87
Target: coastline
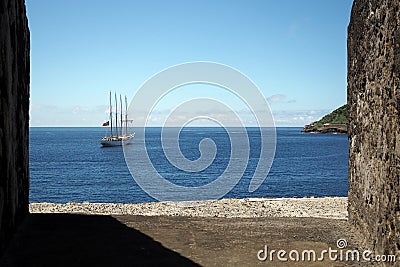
307	207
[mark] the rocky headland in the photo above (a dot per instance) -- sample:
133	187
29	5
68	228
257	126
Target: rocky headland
334	122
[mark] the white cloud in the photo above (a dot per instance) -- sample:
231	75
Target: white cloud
298	117
46	115
276	98
279	98
43	115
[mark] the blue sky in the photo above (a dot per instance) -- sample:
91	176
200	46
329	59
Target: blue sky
294	51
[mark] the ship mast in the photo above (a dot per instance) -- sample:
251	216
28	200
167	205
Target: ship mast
126	116
120	102
116	115
111	132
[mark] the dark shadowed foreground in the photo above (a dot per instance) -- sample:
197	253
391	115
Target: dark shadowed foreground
127	240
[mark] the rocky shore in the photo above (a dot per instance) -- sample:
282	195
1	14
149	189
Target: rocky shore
326	128
326	207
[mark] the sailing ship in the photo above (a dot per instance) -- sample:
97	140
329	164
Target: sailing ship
119	134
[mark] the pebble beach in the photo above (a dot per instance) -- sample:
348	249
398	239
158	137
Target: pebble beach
326	207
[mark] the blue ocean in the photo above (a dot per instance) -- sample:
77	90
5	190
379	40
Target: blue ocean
68	164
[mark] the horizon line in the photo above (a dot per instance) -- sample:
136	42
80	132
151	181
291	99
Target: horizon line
155	126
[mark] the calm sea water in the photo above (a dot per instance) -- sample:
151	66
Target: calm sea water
68	164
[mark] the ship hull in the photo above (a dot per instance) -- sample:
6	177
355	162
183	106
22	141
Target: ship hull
117	141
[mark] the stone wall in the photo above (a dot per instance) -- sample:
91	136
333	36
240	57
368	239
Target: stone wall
14	116
374	122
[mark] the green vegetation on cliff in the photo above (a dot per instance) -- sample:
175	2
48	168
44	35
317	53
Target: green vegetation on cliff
338	116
